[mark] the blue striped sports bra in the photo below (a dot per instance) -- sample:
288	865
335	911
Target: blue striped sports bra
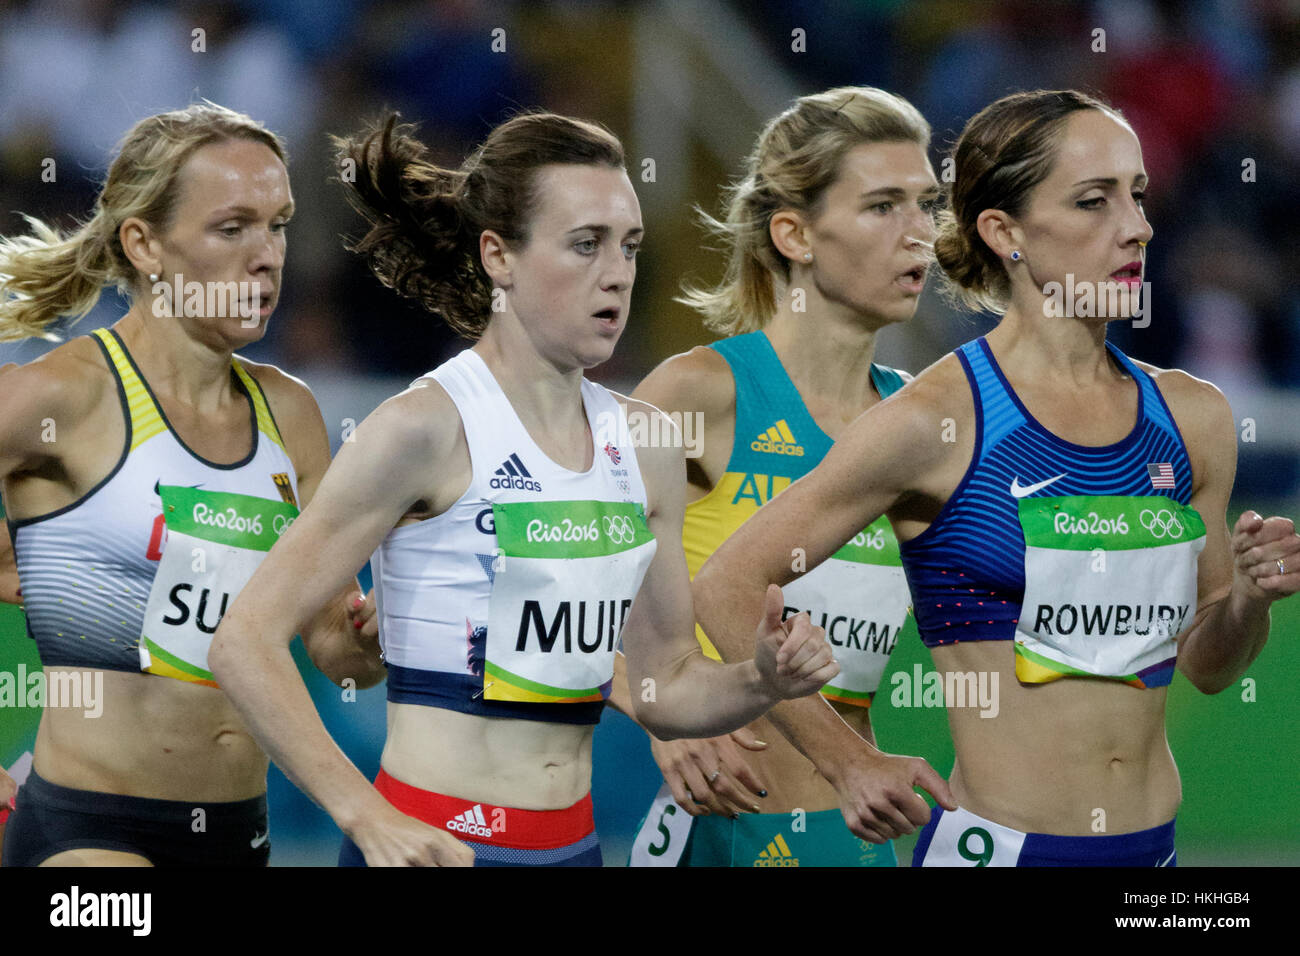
967	569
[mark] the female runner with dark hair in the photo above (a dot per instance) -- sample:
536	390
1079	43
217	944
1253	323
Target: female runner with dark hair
513	541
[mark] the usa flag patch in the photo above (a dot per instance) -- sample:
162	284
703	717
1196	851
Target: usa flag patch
1162	475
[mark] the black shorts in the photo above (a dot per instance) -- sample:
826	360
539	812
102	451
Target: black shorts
49	819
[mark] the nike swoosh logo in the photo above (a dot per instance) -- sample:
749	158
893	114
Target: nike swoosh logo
157	484
1168	859
1018	491
258	840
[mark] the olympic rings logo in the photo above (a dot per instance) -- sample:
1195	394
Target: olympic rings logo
618	528
1161	523
280	523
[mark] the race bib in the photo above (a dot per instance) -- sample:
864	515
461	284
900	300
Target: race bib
963	839
564	578
215	541
859	595
1110	582
663	833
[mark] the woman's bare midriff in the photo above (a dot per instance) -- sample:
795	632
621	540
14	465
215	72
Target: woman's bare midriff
1072	757
526	764
153	737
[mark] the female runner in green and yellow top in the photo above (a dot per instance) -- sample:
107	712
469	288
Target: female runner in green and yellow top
829	238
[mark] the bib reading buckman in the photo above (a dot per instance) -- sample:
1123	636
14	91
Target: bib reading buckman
866	568
215	541
1110	581
567	574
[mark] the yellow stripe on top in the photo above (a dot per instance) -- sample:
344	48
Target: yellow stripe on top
146	421
265	423
712	519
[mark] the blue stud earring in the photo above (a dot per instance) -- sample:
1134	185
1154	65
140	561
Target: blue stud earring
1015	255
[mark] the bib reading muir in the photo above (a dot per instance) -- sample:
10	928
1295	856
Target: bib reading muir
1110	581
567	574
867	572
215	541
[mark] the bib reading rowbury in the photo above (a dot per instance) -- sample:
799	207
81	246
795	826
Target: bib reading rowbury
1110	581
215	541
567	574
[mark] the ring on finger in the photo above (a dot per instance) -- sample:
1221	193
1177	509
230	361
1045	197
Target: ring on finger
714	776
1281	568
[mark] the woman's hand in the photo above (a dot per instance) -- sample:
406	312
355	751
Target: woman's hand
710	775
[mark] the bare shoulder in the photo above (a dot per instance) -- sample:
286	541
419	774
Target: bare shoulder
284	391
938	392
297	415
423	418
67	383
698	381
1205	420
1199	408
651	429
915	442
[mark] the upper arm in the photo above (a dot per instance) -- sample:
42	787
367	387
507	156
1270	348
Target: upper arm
391	463
58	391
662	607
1209	432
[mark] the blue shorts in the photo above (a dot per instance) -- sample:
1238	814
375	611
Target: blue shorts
961	838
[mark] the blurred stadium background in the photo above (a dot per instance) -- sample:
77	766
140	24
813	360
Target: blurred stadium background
1211	86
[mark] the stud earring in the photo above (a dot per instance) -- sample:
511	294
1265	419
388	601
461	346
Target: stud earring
153	277
1015	255
807	257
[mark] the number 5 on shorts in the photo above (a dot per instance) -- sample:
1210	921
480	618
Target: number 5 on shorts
662	848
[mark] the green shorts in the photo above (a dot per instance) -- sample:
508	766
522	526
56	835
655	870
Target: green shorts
781	839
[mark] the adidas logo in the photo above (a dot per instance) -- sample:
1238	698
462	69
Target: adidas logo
471	822
513	474
778	439
777	854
